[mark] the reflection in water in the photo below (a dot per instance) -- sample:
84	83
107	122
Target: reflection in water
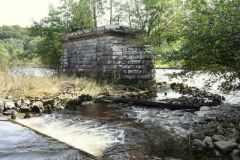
32	71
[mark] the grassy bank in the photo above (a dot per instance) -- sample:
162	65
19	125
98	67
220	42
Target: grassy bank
30	86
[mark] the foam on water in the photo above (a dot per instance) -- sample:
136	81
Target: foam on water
198	81
87	135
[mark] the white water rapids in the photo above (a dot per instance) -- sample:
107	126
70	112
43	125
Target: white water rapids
95	137
86	135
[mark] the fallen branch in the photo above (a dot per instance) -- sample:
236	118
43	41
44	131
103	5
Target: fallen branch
146	103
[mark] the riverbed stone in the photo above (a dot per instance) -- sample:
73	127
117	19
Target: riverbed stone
87	103
217	153
25	109
218	137
9	104
37	107
1	107
235	155
198	144
26	101
204	108
208	141
7	112
14	115
225	146
8	97
19	103
27	115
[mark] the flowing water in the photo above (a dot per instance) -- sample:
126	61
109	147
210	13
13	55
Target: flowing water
114	131
20	143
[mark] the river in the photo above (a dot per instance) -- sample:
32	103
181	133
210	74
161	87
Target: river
113	131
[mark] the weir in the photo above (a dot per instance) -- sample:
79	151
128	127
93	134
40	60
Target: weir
109	52
83	154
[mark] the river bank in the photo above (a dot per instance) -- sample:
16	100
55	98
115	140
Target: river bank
121	131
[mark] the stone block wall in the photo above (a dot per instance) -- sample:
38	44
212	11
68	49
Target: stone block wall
108	52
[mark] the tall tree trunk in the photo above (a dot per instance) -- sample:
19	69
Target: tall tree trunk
94	14
129	14
111	7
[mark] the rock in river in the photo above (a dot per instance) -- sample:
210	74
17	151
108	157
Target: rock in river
218	137
9	105
1	107
235	155
225	146
37	107
198	144
25	109
209	142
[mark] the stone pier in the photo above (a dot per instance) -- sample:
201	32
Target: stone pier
111	53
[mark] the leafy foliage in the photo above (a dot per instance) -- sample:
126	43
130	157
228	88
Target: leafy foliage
17	46
71	16
210	40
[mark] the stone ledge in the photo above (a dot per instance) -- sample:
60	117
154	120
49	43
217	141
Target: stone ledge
122	30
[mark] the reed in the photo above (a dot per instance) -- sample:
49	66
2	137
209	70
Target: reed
31	86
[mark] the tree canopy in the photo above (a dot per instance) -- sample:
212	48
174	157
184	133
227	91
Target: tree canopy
194	35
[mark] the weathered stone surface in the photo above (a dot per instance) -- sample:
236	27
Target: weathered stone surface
9	104
19	103
26	102
198	143
37	107
25	109
209	142
235	155
1	107
225	146
14	115
107	52
217	137
7	112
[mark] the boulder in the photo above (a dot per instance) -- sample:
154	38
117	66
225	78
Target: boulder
14	115
27	115
217	137
8	97
225	146
37	107
9	104
87	103
198	144
235	155
208	141
48	109
1	107
220	129
19	103
24	109
26	102
217	153
204	108
7	112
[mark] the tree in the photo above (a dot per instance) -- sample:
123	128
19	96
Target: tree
111	11
70	17
4	57
97	8
210	40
